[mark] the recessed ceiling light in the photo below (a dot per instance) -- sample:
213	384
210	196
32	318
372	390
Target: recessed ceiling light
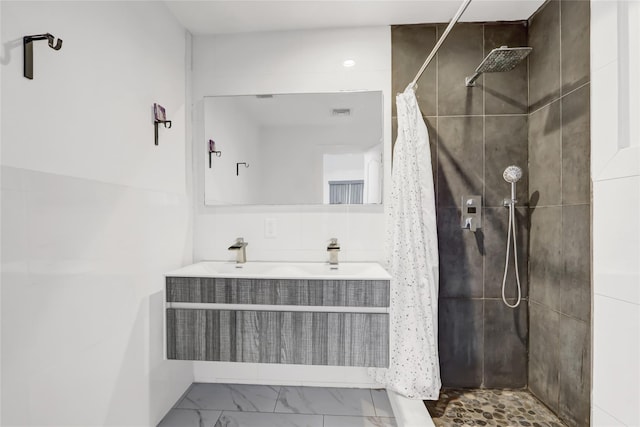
349	63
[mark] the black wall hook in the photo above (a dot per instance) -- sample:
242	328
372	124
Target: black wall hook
165	123
159	116
246	165
27	44
212	150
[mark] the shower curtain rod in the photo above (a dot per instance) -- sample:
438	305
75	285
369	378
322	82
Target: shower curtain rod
454	20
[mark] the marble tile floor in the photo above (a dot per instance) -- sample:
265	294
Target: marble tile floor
242	405
472	407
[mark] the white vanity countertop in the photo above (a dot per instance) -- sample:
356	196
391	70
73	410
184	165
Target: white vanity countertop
284	270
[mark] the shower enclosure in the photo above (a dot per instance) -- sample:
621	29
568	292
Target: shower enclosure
511	118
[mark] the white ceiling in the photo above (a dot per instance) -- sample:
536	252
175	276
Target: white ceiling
240	16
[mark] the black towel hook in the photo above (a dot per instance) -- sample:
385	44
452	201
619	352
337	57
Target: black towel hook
27	43
246	165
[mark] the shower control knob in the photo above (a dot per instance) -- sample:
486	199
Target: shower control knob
471	212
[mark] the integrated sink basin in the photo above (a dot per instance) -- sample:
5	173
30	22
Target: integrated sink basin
284	270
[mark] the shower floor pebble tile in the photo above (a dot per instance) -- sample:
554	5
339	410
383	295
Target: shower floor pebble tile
241	405
510	408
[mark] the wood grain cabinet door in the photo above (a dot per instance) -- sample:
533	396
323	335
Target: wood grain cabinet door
308	338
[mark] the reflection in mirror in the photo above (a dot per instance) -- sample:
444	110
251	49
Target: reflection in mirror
320	148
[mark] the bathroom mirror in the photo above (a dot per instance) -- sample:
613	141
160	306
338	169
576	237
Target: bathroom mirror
291	149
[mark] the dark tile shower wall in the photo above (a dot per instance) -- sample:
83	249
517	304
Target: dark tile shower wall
475	133
560	209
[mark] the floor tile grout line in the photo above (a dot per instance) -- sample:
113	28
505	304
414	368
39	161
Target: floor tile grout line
277	399
183	397
373	402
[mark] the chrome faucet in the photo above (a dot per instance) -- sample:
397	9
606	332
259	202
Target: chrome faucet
241	253
333	249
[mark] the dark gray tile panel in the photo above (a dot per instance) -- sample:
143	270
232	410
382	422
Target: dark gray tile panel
506	144
507	92
544	60
460	159
575	372
411	44
575	20
458	57
461	342
544	354
505	345
460	255
576	147
575	292
496	223
545	256
545	156
432	128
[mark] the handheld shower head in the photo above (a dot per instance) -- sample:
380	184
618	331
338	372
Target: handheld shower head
512	174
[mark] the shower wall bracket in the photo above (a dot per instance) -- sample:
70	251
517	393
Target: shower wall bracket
27	45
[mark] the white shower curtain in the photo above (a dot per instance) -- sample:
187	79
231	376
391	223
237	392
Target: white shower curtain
412	245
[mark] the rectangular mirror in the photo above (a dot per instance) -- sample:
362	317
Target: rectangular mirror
292	149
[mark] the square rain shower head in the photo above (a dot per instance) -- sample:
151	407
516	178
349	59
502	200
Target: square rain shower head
500	59
503	59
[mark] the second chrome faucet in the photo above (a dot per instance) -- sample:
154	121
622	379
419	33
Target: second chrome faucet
333	248
241	252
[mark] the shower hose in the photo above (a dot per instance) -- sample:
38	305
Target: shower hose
511	233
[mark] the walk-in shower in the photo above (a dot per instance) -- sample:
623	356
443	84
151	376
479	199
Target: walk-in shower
512	174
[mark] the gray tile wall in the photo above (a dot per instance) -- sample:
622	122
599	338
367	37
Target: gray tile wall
475	133
560	209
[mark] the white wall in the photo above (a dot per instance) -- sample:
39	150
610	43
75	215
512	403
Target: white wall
285	157
289	62
615	170
92	213
373	175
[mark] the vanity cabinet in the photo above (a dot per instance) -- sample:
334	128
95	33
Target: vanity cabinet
293	321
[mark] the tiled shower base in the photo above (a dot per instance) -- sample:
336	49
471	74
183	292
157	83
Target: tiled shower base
511	408
241	405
